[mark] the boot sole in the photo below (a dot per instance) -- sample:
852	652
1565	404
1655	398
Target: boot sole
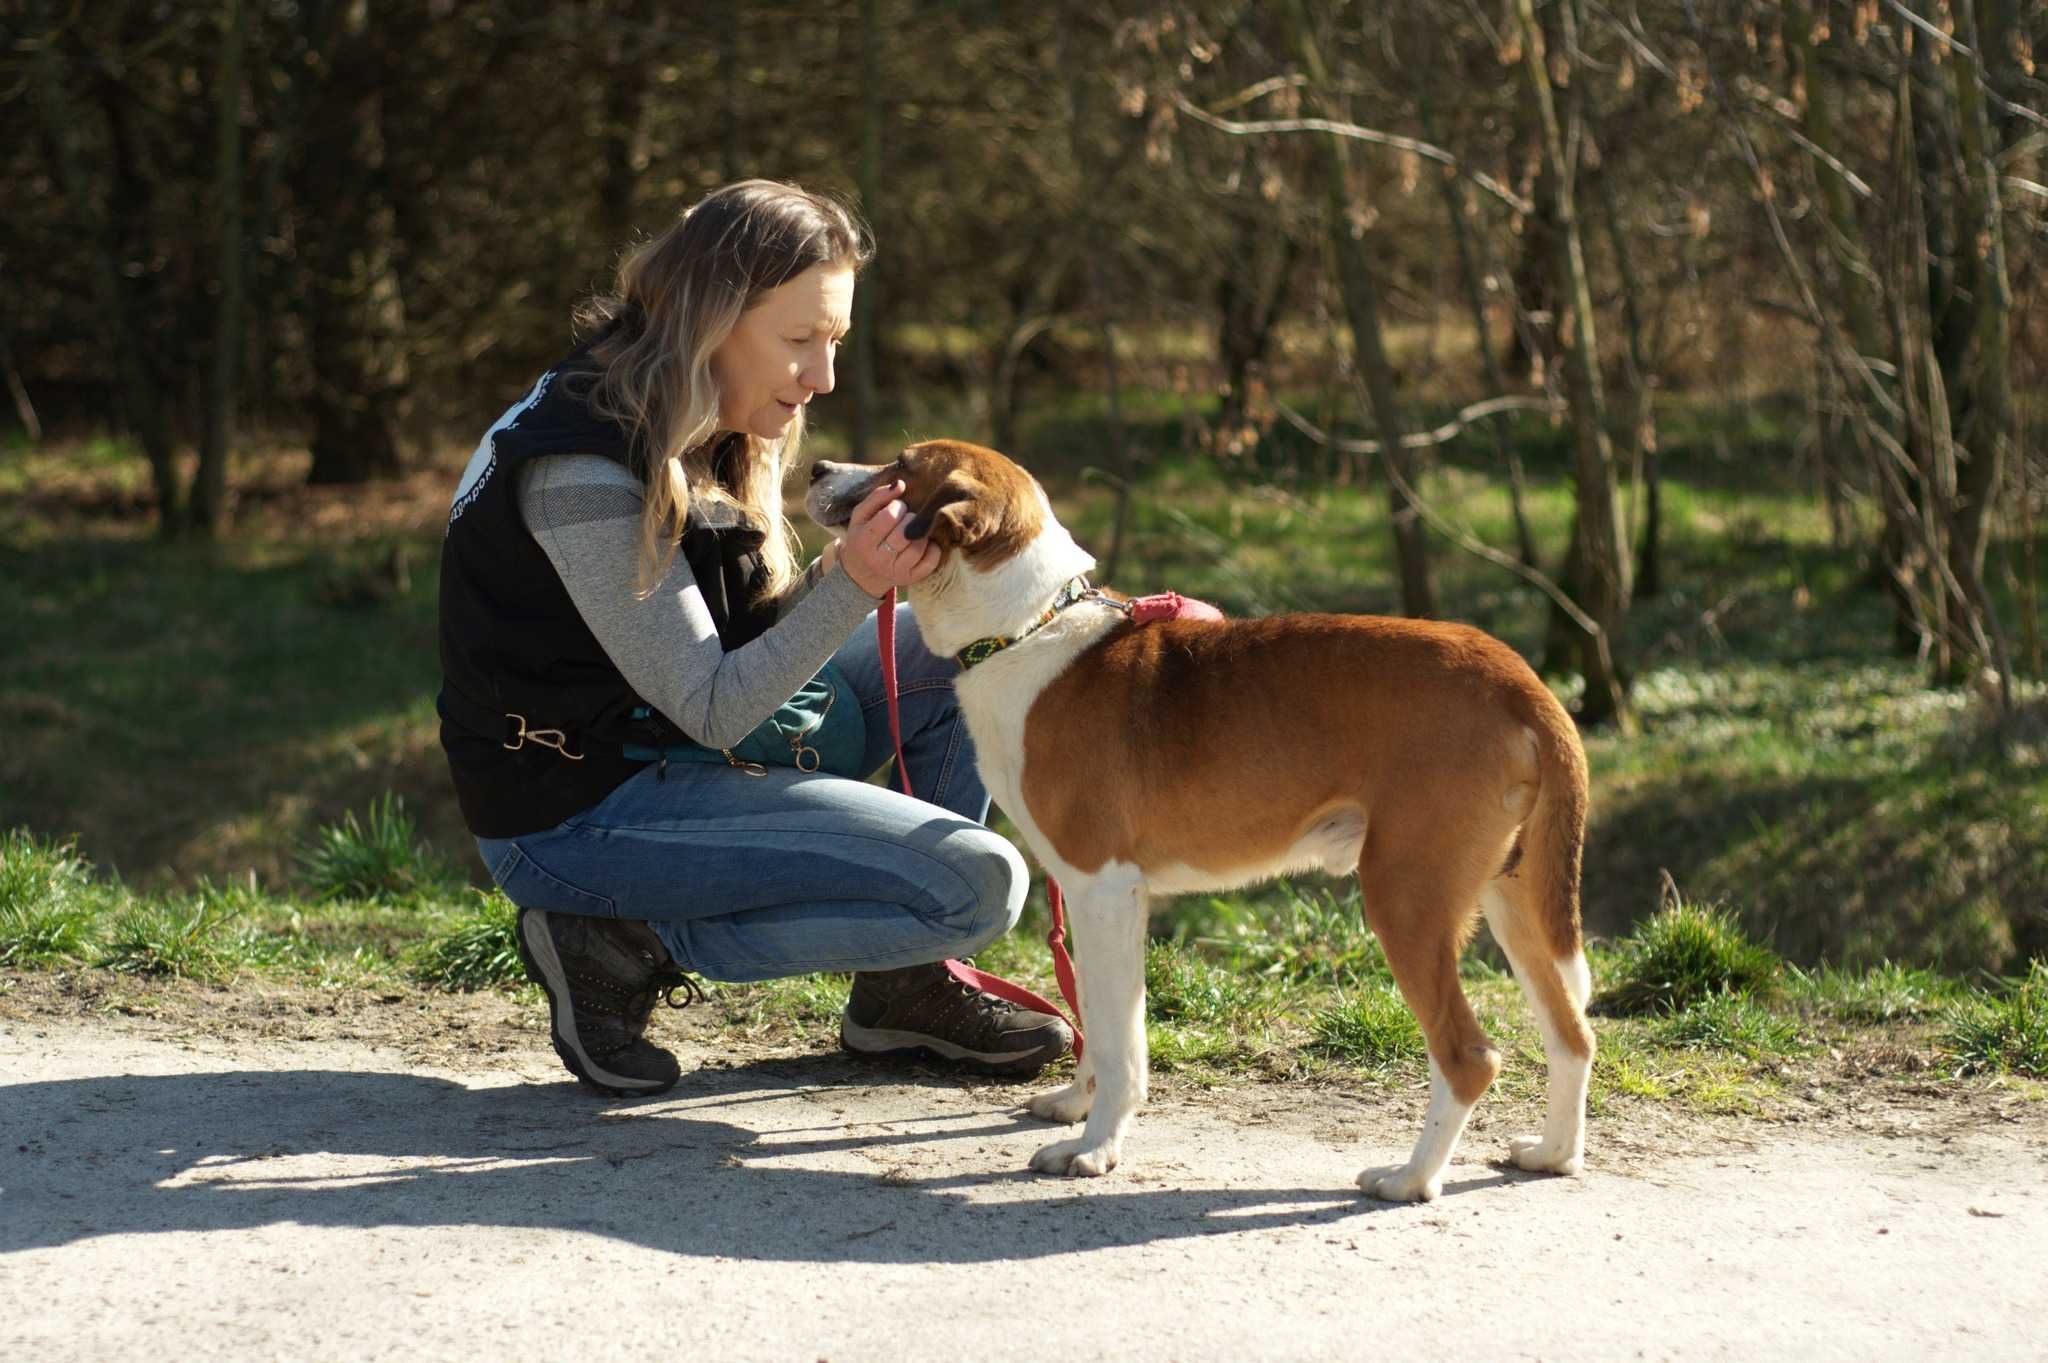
544	967
879	1042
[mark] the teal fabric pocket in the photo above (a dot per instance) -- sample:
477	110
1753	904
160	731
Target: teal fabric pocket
818	729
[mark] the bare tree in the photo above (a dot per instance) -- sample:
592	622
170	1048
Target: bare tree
217	439
1599	574
1360	292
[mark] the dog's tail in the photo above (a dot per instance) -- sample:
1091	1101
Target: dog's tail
1553	839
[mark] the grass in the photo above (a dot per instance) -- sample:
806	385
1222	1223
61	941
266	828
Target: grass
2004	1032
1849	846
1370	1028
1685	955
1729	1022
1282	983
479	951
47	902
381	857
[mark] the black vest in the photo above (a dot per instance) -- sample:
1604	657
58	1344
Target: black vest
524	683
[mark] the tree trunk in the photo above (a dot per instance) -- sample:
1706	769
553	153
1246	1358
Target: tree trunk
1986	432
1248	303
1842	238
142	400
1362	309
1470	275
1603	583
628	55
865	298
1644	481
1122	465
355	313
217	439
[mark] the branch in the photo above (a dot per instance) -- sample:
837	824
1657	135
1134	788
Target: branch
1420	440
1352	130
1977	67
1464	539
1260	90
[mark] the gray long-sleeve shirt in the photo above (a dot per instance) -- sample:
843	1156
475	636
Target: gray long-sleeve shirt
584	511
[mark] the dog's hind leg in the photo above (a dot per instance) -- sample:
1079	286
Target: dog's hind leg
1420	915
1108	915
1557	989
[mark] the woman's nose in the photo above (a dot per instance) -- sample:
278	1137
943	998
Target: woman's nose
818	377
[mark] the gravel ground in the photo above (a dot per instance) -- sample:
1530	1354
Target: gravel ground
263	1193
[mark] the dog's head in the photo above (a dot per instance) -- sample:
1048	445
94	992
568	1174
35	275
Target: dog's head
1001	549
966	499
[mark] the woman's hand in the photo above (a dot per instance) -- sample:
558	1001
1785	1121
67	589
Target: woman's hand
874	552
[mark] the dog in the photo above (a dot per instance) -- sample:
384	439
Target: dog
1141	761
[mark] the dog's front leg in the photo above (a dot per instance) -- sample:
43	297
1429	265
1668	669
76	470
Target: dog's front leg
1108	913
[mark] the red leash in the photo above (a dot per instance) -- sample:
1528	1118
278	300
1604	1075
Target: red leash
1143	610
1062	963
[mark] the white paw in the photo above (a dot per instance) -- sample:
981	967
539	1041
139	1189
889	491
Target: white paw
1537	1156
1076	1158
1399	1185
1069	1104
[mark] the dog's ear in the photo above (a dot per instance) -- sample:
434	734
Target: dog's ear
956	514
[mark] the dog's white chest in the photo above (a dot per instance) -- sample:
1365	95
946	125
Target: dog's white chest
996	699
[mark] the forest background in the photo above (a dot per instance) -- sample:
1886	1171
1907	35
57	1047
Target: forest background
1707	338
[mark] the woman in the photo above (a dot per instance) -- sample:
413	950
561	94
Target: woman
653	716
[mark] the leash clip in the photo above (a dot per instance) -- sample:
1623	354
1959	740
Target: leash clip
546	738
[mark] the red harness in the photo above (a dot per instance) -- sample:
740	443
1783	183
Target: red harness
1144	610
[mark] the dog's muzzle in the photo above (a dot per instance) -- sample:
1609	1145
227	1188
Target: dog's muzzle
836	489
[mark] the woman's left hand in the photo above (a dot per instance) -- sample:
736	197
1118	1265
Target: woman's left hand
876	555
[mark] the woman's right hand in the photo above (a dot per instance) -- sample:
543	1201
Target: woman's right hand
875	554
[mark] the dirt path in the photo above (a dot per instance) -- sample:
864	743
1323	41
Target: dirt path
262	1195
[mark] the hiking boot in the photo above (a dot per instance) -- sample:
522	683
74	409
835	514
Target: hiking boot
924	1009
602	976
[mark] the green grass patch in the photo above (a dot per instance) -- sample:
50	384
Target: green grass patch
1181	986
1888	992
381	857
1300	933
1682	955
2005	1032
185	937
1729	1022
1369	1027
480	951
49	906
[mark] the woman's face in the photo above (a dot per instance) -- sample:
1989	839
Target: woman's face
780	353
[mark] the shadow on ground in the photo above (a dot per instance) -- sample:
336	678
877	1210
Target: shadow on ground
757	1162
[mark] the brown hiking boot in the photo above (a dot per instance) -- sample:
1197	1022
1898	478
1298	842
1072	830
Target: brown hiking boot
602	977
923	1009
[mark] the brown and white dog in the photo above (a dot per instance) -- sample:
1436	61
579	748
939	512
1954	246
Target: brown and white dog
1145	761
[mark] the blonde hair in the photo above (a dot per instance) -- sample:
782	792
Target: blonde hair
677	298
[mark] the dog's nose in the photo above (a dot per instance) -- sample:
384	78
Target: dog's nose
818	470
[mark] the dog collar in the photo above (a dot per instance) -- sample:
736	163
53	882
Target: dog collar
1076	591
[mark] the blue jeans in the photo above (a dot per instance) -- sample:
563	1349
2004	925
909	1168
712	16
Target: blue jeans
755	877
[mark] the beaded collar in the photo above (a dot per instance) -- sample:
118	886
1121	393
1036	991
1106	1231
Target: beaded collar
1076	591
